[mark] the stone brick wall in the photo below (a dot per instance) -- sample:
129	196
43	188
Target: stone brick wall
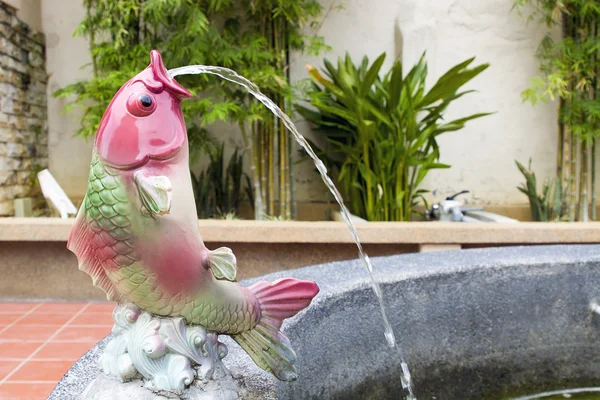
23	119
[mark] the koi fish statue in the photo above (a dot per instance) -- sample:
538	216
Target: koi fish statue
136	233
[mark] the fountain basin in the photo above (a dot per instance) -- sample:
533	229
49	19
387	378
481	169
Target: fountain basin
473	324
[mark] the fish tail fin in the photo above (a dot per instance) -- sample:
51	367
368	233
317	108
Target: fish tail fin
266	344
78	243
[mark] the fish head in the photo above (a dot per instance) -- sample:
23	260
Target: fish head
144	119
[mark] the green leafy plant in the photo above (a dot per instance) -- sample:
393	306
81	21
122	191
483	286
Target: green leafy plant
548	205
219	188
381	131
569	70
254	37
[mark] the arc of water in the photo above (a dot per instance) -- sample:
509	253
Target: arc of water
234	77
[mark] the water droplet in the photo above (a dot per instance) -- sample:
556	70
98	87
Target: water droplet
391	339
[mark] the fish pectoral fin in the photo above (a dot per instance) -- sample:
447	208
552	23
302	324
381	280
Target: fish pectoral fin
223	264
155	192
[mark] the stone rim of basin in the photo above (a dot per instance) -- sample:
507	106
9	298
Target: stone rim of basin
572	266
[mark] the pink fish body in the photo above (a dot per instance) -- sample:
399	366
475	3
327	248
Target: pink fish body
137	234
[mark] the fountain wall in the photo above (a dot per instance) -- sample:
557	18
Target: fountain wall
23	117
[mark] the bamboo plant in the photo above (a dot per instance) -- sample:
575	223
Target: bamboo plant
254	37
382	129
569	71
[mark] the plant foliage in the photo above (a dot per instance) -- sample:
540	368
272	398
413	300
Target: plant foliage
220	187
254	37
569	70
548	205
382	130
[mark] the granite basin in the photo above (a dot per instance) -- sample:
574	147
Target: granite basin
473	324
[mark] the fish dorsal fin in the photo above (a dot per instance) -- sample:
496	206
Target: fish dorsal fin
155	192
223	264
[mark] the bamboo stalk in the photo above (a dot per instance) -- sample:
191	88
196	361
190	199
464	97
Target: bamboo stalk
593	155
278	126
565	150
583	184
562	157
573	145
270	123
263	163
593	179
271	166
283	209
92	34
291	211
258	189
251	150
573	179
284	201
560	161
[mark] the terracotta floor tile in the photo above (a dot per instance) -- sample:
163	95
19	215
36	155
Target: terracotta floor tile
82	334
42	318
41	371
6	319
70	351
29	332
17	349
25	391
105	307
96	318
10	307
62	307
6	367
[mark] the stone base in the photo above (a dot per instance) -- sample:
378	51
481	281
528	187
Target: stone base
85	381
105	387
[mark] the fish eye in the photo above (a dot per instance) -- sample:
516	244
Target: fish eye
141	104
145	100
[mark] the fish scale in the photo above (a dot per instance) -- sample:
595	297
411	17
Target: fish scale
111	217
109	212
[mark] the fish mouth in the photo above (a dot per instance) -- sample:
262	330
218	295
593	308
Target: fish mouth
161	74
160	157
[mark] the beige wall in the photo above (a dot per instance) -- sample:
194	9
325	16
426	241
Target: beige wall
482	156
66	58
28	11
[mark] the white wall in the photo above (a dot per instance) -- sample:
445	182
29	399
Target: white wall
482	155
66	60
28	11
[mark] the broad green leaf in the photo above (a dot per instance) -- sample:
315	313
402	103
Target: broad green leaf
371	75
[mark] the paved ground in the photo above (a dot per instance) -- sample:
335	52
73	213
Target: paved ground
40	341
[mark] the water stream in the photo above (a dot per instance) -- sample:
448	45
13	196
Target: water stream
234	77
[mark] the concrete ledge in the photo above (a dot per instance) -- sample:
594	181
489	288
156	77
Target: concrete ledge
35	263
243	231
